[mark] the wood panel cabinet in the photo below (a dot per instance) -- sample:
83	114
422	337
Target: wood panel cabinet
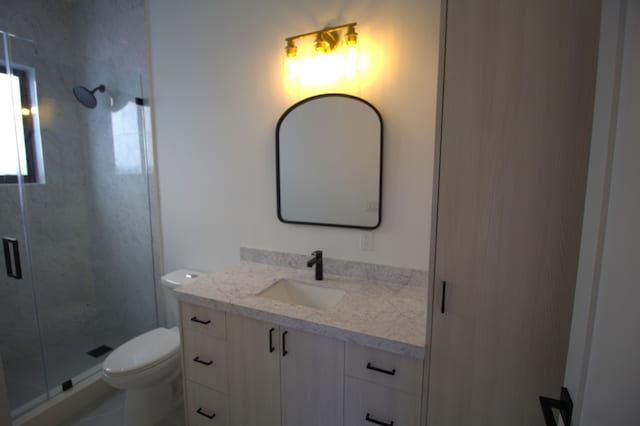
205	360
246	372
205	407
381	388
516	111
205	367
369	404
312	379
283	376
384	368
255	373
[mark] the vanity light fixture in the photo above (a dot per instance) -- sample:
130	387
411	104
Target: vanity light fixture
326	39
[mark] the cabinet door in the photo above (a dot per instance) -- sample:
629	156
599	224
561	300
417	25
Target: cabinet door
312	379
254	372
516	122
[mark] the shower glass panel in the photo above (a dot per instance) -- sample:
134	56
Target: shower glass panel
20	344
85	209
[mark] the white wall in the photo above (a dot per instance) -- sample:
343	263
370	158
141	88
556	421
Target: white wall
218	93
603	372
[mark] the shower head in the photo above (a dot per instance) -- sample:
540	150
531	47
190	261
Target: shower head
86	97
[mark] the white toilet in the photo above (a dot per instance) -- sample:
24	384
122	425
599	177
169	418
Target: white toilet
148	366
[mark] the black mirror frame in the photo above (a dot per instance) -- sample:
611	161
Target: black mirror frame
284	115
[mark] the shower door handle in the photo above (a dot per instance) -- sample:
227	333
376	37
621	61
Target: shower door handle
12	257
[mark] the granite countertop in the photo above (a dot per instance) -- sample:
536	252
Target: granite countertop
384	316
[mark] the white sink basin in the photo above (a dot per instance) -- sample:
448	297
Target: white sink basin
301	293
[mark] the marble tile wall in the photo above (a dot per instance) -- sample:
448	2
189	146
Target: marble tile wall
122	198
111	32
119	209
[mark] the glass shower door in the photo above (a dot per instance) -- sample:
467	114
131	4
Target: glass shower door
87	213
77	277
20	343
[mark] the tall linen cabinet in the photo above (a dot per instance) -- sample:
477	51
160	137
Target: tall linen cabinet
516	102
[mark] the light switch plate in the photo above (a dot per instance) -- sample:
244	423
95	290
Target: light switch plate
366	241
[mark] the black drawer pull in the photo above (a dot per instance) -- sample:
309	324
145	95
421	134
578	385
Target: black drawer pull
202	413
195	319
284	344
378	422
198	360
380	370
271	347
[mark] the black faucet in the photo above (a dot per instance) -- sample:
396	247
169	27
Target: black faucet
316	260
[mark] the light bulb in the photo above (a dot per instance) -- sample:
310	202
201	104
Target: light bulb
291	49
352	36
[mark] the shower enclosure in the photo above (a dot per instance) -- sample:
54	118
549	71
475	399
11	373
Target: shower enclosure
77	269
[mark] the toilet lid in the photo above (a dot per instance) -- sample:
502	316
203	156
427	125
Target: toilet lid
143	352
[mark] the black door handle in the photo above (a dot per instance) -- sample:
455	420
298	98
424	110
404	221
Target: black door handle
284	344
199	321
202	413
271	347
378	422
564	405
12	263
199	361
380	370
444	295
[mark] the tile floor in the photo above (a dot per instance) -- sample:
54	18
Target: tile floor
110	412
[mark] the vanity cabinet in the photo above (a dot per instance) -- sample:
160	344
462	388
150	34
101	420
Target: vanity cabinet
369	404
277	376
204	361
254	372
312	379
381	388
205	407
273	367
257	373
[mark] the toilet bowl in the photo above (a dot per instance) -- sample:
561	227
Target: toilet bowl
148	367
144	360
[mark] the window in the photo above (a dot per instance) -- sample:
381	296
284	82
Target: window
18	122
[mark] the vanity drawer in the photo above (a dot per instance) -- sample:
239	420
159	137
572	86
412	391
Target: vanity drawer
205	360
204	320
369	404
206	407
396	371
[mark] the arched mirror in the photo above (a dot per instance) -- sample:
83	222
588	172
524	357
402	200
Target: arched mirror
329	162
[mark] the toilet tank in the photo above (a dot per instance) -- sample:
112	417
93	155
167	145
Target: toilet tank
171	281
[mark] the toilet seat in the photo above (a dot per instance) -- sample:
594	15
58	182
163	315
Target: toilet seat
143	352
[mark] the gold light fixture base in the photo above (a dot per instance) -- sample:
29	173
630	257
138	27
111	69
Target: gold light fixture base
327	39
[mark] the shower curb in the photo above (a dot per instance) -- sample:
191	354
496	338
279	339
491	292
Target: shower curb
66	405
